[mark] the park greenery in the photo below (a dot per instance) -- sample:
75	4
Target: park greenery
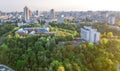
42	52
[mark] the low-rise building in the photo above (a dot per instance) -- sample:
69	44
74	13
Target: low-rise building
89	34
22	31
32	31
21	24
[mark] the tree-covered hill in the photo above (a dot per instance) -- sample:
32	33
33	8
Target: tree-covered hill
41	52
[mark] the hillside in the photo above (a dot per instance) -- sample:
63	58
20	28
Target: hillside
42	52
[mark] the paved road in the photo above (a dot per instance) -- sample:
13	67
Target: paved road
5	68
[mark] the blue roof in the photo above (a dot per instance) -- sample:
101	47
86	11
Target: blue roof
43	30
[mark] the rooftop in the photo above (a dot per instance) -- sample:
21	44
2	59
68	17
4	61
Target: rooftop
89	28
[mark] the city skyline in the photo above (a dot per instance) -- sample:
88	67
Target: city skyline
60	5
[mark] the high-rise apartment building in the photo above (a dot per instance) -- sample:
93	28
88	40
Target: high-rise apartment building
26	13
30	13
52	14
36	12
0	13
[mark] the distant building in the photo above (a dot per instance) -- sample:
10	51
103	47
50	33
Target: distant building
52	14
50	20
89	34
22	31
61	19
32	31
21	24
0	21
0	13
111	20
37	13
42	30
30	13
26	13
78	24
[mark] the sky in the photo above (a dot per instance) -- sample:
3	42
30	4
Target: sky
60	5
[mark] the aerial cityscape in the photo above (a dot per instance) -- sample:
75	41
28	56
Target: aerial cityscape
71	35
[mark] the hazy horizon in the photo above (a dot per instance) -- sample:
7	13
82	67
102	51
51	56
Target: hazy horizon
60	5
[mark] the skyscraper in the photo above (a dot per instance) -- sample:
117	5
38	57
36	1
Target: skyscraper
0	13
52	14
26	13
30	13
37	12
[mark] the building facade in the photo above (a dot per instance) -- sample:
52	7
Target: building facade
33	30
89	34
0	13
52	14
111	20
26	13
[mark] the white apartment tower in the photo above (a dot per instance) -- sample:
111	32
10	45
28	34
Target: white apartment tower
89	34
26	13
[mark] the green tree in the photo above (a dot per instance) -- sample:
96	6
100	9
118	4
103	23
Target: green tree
90	45
60	68
109	34
104	41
